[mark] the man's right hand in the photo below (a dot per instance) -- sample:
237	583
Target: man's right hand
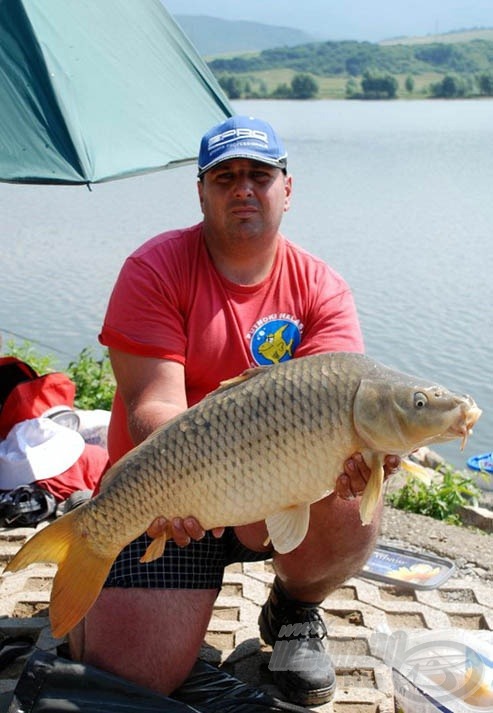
181	530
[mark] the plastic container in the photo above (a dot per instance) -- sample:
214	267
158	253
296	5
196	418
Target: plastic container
482	465
450	671
402	568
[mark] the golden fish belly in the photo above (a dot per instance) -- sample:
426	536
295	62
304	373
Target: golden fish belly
235	462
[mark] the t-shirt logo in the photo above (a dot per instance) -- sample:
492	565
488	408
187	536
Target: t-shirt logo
274	340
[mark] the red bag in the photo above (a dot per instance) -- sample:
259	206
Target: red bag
25	394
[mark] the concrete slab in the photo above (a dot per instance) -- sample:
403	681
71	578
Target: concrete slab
354	613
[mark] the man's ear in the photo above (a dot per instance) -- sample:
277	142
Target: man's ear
200	189
288	187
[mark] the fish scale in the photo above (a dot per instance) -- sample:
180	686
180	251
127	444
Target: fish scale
262	447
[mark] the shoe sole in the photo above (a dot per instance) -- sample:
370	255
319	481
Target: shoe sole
315	697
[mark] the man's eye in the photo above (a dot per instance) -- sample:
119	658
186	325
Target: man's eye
261	176
224	176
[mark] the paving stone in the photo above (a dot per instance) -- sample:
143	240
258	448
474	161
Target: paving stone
355	613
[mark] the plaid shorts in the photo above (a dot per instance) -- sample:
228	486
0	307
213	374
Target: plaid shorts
199	565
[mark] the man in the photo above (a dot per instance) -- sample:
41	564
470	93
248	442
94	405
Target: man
190	309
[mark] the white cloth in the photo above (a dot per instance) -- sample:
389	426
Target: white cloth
37	449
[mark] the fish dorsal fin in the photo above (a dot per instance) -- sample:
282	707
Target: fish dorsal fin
287	529
107	478
235	380
373	489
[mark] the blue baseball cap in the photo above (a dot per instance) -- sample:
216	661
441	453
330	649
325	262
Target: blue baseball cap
241	137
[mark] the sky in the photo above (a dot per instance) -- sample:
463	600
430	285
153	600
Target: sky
371	20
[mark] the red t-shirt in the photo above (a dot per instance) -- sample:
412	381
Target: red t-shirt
170	302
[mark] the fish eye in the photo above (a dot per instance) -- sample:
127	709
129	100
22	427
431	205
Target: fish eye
420	400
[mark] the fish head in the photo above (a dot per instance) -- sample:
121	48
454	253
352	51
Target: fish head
399	415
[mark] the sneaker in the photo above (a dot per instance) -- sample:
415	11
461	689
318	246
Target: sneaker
78	497
300	664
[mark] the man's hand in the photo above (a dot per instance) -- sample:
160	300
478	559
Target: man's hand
181	530
353	481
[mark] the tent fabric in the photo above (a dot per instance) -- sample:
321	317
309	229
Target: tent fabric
92	91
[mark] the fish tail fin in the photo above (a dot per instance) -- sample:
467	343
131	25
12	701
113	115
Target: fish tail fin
373	490
81	571
51	544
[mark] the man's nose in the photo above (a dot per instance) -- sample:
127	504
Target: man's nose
243	185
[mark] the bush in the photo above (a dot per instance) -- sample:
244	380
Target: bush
485	83
451	87
351	89
439	499
93	378
231	86
282	91
303	86
379	86
42	363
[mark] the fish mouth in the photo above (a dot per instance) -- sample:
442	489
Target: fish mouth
468	418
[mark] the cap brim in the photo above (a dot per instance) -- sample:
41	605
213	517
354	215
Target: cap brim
276	163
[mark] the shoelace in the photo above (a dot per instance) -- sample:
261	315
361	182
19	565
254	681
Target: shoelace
302	623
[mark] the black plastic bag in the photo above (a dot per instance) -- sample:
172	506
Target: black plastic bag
51	684
26	506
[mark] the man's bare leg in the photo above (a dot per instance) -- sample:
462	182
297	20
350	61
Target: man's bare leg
149	636
335	548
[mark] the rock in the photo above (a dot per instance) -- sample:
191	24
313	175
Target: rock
476	517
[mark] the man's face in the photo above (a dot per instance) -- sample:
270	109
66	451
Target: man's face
242	198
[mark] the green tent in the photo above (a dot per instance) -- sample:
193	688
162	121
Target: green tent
94	90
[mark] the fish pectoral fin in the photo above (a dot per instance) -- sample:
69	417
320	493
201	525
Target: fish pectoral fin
155	549
417	471
287	529
373	490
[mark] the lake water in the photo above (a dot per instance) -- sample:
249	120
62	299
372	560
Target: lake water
397	196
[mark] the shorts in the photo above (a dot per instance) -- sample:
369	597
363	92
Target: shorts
199	565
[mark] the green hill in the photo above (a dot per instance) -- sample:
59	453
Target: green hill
353	58
213	36
400	68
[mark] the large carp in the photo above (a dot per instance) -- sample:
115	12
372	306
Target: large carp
264	446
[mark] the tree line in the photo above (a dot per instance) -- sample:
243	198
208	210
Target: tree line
372	85
302	86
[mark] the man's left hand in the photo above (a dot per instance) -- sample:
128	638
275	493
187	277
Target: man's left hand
353	480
